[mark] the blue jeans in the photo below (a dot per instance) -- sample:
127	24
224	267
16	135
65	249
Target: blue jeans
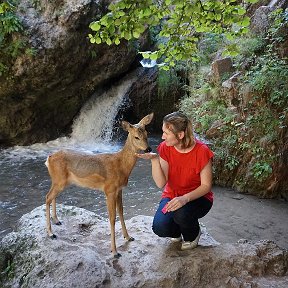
182	221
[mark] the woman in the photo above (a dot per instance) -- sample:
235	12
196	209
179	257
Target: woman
184	169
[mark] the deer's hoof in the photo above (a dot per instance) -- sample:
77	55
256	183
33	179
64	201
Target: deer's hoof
53	236
117	255
131	239
58	223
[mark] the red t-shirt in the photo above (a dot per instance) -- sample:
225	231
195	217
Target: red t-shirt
184	169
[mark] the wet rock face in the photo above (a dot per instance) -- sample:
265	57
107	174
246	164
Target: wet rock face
80	255
44	92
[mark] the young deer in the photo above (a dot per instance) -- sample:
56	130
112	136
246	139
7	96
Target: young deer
108	172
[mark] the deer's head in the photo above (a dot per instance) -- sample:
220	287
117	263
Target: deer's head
137	133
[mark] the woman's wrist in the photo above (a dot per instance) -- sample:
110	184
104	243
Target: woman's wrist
187	198
155	157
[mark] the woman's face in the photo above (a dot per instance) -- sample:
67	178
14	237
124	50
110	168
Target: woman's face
169	136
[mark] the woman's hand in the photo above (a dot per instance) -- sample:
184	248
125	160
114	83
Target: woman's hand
176	203
147	156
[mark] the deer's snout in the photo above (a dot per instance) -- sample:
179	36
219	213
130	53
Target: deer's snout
148	150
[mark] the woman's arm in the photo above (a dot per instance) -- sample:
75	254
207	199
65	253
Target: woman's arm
206	183
159	168
159	171
204	188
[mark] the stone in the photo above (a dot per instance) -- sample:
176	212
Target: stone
260	20
80	257
220	67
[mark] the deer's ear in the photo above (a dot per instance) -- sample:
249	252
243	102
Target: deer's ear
126	125
147	119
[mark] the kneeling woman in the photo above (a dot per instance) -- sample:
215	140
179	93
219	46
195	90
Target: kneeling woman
184	169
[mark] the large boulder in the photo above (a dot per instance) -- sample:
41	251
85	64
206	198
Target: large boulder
43	92
80	257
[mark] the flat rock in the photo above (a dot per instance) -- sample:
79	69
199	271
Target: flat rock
80	256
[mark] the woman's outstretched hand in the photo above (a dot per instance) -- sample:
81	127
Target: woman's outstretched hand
147	156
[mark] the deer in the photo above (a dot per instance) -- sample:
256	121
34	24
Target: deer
107	172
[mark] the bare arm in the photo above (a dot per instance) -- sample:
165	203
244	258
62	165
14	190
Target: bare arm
159	168
204	188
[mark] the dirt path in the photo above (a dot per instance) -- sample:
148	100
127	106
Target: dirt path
237	216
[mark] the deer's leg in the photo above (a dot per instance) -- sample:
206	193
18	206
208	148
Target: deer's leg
54	214
120	213
51	195
111	205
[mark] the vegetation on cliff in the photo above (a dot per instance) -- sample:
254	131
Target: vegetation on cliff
248	129
12	44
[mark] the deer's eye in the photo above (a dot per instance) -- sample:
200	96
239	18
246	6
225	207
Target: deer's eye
137	138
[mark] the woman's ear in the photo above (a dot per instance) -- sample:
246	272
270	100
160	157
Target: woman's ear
181	135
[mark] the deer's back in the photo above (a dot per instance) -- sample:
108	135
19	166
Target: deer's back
106	165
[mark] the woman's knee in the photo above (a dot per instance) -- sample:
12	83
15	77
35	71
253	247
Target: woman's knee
182	217
160	229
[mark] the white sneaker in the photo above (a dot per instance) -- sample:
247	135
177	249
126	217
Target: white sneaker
187	245
178	239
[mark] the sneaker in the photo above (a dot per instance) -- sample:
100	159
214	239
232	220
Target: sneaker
178	239
187	245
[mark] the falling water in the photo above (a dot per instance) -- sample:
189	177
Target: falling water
96	119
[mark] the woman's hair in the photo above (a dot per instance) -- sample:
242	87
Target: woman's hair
177	122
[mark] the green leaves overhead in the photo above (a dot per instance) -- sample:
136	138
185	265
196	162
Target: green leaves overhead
180	23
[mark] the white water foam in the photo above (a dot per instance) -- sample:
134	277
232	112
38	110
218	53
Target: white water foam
91	130
95	122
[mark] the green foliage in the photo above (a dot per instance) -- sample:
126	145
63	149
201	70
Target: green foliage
209	43
180	22
167	82
263	117
10	24
9	271
269	74
261	170
270	77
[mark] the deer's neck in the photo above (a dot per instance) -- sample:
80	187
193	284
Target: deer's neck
128	156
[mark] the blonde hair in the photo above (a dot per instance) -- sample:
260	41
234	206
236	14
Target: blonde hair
177	122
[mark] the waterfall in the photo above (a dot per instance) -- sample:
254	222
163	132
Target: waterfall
96	118
91	130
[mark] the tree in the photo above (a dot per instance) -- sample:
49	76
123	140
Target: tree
180	24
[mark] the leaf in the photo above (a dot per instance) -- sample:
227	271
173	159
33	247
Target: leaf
136	34
218	17
145	55
246	21
95	26
229	36
154	56
147	12
165	68
98	40
118	22
127	35
241	11
117	41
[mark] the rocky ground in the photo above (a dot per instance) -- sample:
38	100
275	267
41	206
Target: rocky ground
80	257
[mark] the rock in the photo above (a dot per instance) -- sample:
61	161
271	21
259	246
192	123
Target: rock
220	67
230	90
260	20
44	91
80	257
